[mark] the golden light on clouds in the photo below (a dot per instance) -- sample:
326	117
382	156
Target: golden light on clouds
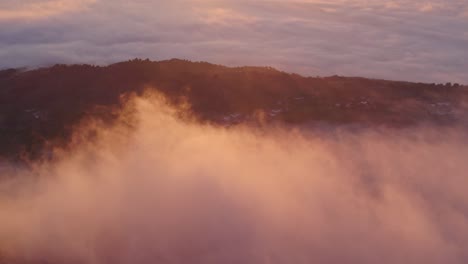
311	37
224	16
40	9
190	193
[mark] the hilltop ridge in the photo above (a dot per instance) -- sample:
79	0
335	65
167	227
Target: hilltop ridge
43	104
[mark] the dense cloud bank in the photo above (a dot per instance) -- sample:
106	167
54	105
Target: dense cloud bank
158	189
415	40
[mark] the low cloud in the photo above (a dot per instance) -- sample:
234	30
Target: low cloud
403	40
167	190
33	10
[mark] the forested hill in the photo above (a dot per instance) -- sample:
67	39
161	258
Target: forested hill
44	104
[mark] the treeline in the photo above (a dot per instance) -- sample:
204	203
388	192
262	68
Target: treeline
43	104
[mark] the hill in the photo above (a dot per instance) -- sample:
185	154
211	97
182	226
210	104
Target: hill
43	105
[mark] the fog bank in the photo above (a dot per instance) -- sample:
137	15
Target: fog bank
171	191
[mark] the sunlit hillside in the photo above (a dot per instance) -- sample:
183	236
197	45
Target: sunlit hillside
40	107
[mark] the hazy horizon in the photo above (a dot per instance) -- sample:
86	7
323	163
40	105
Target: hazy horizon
421	41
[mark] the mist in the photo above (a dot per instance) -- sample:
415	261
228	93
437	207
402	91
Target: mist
159	187
411	40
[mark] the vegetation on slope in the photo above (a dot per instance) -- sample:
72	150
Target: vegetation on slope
43	105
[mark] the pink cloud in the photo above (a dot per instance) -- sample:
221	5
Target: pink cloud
41	9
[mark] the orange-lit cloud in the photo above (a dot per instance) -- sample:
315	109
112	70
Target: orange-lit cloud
224	16
177	192
40	9
414	40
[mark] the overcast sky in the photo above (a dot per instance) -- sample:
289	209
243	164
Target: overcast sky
414	40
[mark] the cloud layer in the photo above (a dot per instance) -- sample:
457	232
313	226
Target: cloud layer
411	40
176	192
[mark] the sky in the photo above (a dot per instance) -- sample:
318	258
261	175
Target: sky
414	40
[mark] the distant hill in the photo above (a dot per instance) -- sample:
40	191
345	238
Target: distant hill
43	104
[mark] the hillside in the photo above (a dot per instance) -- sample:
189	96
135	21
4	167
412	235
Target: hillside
43	104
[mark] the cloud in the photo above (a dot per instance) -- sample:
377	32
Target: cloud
175	191
392	5
31	10
223	16
428	7
392	40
